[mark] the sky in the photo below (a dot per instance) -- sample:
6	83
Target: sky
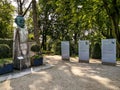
14	3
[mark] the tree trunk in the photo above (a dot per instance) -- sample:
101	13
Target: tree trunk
44	39
115	22
35	22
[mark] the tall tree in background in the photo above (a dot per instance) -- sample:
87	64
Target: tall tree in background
46	19
105	17
112	8
35	22
72	19
6	19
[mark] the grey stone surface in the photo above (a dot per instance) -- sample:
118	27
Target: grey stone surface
17	74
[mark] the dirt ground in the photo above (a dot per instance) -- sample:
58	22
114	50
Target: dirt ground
68	76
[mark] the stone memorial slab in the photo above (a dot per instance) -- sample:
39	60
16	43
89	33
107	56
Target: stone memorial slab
109	51
83	50
65	50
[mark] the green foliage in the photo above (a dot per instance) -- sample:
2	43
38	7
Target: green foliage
47	52
35	48
118	59
9	42
36	57
4	51
57	48
5	61
31	37
6	19
96	51
69	20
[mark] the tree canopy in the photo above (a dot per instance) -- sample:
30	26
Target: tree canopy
6	19
57	20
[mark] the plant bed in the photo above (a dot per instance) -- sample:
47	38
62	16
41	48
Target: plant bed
37	61
6	68
37	58
6	65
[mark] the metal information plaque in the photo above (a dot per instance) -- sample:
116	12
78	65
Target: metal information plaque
83	50
65	50
109	51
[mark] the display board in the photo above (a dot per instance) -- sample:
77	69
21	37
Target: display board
65	50
83	50
109	51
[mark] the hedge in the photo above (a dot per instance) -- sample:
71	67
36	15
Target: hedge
4	51
9	42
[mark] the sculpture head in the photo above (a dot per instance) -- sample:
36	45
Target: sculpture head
20	21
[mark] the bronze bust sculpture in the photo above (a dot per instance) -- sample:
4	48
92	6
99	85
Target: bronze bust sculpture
20	21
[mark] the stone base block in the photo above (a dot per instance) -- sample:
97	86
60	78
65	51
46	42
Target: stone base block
108	63
84	61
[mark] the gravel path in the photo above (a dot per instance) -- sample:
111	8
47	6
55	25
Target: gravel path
68	76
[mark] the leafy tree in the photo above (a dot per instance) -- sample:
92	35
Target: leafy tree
6	20
46	20
112	8
78	19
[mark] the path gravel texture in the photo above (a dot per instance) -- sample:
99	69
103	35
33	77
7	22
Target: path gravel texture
67	75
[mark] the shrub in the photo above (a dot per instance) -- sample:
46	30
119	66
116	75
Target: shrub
9	42
35	48
96	51
57	48
30	37
4	51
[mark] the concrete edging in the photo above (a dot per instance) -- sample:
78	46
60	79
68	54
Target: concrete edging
24	72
